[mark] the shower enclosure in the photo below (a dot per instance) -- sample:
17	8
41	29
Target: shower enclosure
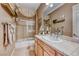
25	29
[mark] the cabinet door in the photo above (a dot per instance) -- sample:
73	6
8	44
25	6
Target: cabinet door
49	50
45	53
39	51
36	47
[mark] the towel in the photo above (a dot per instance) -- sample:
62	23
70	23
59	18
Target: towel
6	37
11	33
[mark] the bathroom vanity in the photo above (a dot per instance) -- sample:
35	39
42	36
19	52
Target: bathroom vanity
50	47
42	49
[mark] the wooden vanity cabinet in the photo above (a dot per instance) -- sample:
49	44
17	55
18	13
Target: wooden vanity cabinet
42	49
59	54
45	53
38	49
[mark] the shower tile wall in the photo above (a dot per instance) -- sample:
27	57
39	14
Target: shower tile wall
25	29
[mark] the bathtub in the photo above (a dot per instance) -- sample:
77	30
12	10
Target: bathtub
24	42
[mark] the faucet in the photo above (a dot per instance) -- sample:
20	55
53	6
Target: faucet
59	31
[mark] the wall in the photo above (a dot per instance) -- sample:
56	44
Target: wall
41	10
4	17
64	11
40	15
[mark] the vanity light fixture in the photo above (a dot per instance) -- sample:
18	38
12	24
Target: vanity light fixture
47	3
51	5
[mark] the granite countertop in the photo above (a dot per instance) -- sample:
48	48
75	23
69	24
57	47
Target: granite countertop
66	46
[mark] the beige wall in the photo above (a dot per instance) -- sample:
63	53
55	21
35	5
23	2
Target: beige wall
41	10
4	17
65	10
40	16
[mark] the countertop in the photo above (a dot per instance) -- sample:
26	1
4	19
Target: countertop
67	46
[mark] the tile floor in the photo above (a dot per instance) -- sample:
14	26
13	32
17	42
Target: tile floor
24	50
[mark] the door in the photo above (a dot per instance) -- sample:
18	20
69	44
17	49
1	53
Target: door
76	20
45	53
36	47
39	51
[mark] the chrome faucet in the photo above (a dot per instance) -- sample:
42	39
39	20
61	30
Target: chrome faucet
59	31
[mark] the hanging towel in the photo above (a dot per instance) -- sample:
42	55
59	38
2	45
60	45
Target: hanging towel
6	38
10	34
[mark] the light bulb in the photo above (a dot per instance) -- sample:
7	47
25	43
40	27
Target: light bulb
47	3
51	5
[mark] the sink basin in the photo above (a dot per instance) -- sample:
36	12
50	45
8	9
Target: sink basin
52	38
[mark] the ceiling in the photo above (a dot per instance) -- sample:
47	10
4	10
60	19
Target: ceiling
51	9
28	9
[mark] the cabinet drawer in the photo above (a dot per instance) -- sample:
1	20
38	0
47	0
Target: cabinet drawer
49	50
40	43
